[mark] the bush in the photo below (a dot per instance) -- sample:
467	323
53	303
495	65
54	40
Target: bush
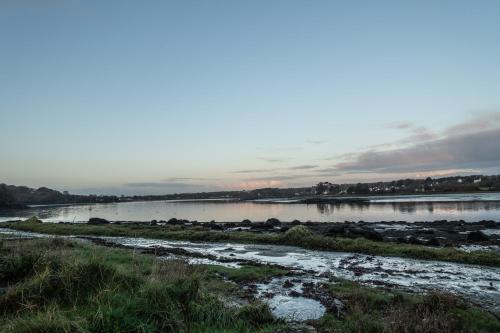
298	234
33	219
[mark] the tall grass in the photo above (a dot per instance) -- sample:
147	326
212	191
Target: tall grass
376	310
54	286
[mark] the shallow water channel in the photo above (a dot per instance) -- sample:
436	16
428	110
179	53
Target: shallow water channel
478	284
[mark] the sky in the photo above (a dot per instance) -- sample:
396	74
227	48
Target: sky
151	97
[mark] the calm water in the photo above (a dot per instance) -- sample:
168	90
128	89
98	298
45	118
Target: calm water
410	208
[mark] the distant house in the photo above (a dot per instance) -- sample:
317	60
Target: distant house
478	180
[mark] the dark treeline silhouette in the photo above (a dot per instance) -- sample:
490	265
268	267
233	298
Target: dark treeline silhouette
18	196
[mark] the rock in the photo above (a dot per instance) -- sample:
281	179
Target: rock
366	233
215	226
246	222
97	220
433	242
288	284
273	222
336	230
477	236
414	240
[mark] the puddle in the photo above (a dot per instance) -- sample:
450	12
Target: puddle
296	308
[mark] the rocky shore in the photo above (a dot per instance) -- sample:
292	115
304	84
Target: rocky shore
440	233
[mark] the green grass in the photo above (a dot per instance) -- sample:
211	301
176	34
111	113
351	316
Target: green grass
297	236
53	285
370	309
247	273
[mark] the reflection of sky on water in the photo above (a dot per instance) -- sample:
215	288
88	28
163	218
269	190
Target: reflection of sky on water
237	211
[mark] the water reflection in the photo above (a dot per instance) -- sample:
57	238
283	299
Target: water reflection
237	211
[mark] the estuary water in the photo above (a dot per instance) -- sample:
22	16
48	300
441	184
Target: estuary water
468	207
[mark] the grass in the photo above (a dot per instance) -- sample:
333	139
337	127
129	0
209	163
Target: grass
247	273
376	310
52	285
297	236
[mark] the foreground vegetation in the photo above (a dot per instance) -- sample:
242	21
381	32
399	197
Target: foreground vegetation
297	236
60	286
373	310
54	285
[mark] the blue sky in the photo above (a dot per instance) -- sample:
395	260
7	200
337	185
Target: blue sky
174	96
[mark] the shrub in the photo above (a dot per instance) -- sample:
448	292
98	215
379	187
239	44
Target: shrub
298	234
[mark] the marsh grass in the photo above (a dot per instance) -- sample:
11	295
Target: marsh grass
370	309
61	286
247	273
296	236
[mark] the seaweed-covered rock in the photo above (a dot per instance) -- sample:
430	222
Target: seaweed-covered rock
273	222
477	236
97	221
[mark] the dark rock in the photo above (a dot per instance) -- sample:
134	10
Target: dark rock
246	222
97	220
273	222
215	226
477	236
288	284
366	233
433	242
414	240
336	230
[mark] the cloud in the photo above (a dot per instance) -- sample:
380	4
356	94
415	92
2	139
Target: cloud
302	167
296	167
419	134
480	149
252	170
484	121
316	142
161	184
184	179
274	159
276	178
399	125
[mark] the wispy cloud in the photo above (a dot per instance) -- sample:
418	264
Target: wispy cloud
253	170
303	167
399	125
457	147
185	179
316	142
274	159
